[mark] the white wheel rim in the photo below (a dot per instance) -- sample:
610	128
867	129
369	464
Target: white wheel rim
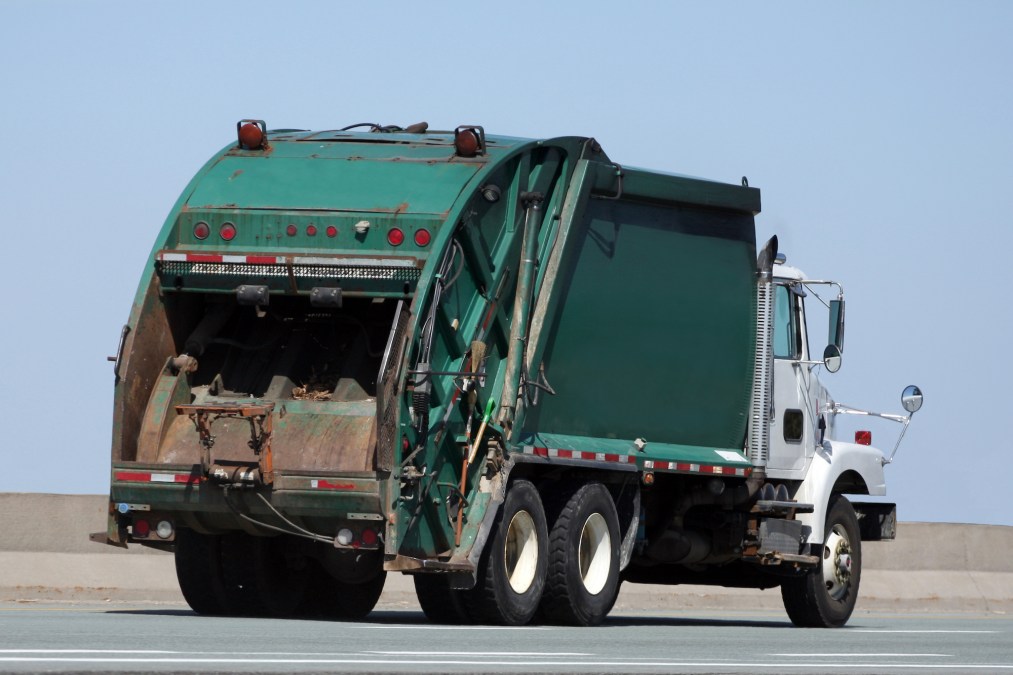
520	554
837	564
594	553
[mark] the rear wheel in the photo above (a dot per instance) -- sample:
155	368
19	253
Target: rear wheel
511	571
199	571
440	602
335	599
825	597
583	577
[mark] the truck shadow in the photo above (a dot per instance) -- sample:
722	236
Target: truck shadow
417	618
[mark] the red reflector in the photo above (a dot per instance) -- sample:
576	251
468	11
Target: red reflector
395	237
291	230
141	528
201	230
332	231
368	537
311	230
863	437
422	237
227	231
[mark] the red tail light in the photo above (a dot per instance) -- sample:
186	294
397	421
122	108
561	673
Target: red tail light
395	237
332	231
227	231
141	528
201	230
368	537
291	230
311	230
863	437
422	237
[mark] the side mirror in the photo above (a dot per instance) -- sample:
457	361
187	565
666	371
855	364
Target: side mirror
836	331
832	359
911	398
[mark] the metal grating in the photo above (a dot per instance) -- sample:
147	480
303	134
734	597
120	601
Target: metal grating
182	268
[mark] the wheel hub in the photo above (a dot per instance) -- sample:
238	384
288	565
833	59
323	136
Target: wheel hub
837	564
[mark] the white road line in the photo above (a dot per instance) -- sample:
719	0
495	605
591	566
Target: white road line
919	632
486	663
859	655
478	654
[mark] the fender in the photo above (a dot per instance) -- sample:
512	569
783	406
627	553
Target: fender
838	467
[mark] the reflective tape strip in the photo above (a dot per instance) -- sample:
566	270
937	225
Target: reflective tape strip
148	477
216	258
686	467
318	484
556	453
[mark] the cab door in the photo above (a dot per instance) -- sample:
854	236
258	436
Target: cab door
792	431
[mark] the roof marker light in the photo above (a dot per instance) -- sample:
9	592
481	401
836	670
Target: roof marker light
863	437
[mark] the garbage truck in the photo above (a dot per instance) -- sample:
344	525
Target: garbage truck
514	369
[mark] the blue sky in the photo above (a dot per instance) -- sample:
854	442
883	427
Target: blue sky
881	135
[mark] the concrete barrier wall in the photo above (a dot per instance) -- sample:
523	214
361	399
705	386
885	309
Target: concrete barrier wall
45	555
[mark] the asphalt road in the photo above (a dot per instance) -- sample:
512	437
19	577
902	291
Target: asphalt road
152	638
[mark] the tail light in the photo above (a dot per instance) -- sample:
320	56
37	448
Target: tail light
332	231
201	230
291	230
227	231
368	537
311	230
395	237
422	237
141	529
863	437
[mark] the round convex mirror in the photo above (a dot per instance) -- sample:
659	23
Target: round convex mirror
911	398
832	358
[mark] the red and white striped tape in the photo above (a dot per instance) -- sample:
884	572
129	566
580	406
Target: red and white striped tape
554	453
689	467
154	477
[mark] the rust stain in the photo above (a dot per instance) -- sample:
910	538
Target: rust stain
235	174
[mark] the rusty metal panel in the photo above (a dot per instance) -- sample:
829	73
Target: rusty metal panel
387	389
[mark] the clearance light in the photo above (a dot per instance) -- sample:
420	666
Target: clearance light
863	437
291	230
332	231
311	230
141	528
227	231
251	135
201	230
395	237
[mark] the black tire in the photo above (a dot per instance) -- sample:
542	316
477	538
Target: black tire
825	597
281	575
331	598
583	576
511	570
239	555
440	602
199	571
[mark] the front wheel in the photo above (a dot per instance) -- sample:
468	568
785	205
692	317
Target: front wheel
825	597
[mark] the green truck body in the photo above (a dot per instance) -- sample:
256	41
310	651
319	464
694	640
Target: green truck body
332	322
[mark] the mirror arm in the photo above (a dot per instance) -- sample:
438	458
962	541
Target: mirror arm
888	460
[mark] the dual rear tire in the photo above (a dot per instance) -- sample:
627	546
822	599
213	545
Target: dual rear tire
561	567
